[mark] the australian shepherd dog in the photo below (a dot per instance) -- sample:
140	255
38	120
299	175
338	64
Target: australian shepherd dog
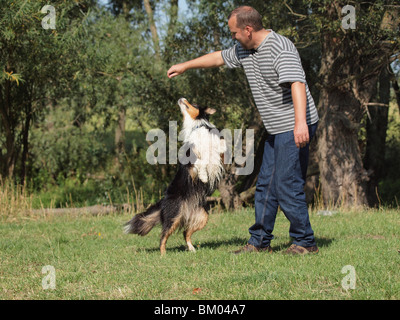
184	203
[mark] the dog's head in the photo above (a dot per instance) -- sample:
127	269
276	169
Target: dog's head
195	112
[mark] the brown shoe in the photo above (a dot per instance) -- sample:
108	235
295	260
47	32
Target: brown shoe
250	248
295	249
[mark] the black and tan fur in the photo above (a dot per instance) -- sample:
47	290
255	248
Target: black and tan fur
184	203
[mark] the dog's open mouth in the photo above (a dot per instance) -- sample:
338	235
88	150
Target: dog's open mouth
187	104
186	107
183	101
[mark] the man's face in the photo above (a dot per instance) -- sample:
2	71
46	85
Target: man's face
241	35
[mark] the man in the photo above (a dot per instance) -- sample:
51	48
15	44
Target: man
277	81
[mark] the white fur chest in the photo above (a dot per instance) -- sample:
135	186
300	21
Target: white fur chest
207	147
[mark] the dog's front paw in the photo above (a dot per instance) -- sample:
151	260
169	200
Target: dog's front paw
203	177
193	173
222	146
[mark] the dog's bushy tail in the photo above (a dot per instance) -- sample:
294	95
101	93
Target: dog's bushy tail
142	223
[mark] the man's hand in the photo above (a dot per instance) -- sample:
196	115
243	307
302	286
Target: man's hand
301	135
176	70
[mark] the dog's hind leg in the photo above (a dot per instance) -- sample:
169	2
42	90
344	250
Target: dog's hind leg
196	224
166	232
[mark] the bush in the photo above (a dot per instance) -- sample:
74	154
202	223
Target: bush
61	150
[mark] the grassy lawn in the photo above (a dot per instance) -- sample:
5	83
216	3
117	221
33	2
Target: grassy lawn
93	259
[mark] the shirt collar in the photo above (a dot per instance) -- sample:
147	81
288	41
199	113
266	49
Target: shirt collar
265	40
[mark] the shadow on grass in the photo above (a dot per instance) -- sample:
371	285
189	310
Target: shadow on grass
321	243
207	244
236	241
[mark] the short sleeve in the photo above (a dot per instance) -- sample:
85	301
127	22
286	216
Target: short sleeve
289	69
231	57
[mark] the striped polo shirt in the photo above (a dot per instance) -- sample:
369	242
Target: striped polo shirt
270	69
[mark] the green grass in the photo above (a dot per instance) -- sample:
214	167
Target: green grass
93	259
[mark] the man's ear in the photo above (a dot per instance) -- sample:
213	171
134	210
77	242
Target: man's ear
210	111
248	29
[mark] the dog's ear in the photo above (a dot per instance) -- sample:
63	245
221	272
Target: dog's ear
210	111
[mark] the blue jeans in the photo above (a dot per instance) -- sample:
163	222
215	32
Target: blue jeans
281	183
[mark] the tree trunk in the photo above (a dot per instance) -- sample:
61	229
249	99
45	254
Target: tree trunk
251	180
25	141
125	9
8	160
227	187
342	175
173	18
231	195
396	91
120	137
376	138
349	72
312	185
153	28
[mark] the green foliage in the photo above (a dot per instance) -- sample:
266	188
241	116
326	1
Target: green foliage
31	74
75	165
63	149
69	192
67	89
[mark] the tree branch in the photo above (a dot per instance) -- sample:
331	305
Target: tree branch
301	16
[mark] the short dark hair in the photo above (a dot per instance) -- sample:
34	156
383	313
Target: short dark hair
247	16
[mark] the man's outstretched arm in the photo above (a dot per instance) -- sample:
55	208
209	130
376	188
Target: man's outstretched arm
211	60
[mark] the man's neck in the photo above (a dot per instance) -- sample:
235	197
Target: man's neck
259	37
